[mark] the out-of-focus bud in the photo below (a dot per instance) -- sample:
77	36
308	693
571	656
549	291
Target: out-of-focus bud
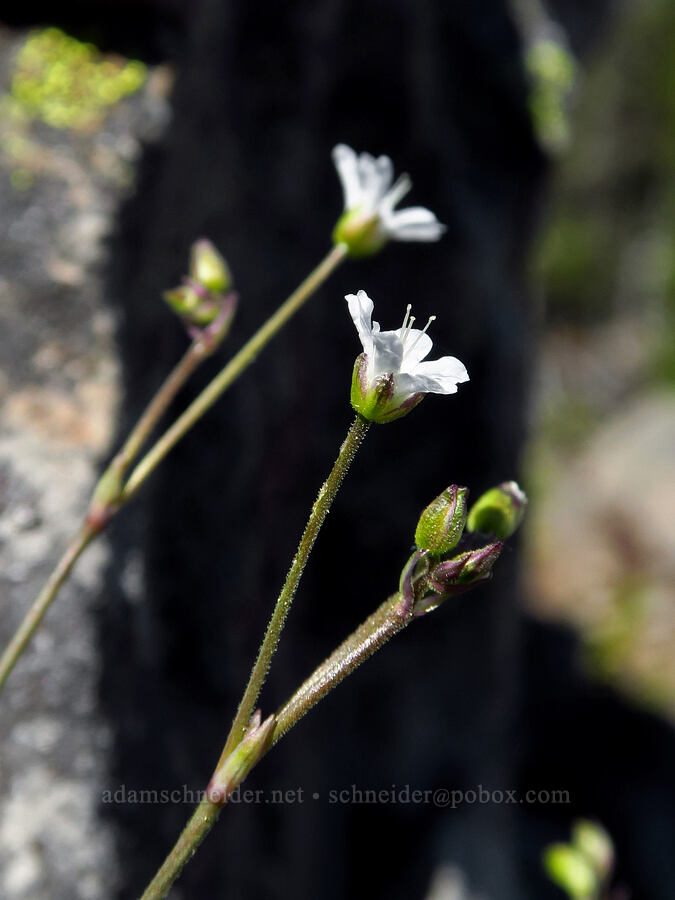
571	871
360	230
595	844
243	758
377	399
194	304
442	523
465	569
498	511
208	267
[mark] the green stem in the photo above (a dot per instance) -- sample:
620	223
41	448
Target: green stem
200	823
193	356
107	501
42	602
390	618
319	511
232	370
387	620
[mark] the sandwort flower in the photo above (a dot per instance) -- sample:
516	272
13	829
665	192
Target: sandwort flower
390	376
369	219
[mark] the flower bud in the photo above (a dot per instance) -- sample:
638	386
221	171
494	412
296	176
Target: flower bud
571	871
208	267
498	511
442	523
360	231
376	399
595	844
194	303
243	758
452	575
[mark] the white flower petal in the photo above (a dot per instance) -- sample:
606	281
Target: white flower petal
397	193
439	376
413	224
387	353
346	163
361	310
370	183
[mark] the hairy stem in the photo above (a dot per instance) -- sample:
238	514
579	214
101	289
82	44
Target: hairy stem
319	511
390	618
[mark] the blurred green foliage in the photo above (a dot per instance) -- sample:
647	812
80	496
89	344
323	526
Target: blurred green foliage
66	83
552	70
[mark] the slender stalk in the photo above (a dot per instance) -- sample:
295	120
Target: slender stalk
43	601
141	431
232	370
319	511
387	620
390	618
99	515
200	823
101	512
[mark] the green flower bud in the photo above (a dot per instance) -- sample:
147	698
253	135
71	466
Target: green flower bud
498	511
570	870
442	523
360	231
194	304
208	267
595	844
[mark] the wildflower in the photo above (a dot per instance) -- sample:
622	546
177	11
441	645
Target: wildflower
390	377
369	219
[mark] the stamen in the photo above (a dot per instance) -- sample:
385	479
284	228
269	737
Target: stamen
407	313
423	331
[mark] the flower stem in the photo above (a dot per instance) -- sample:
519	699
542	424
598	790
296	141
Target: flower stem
233	369
141	431
98	517
197	351
387	620
390	618
42	602
322	504
200	823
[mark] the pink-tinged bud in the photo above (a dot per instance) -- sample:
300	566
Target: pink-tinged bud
442	523
498	511
243	758
377	400
453	575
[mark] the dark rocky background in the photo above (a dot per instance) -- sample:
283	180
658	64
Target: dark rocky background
472	696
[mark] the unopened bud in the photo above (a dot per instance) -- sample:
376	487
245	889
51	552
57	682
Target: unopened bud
442	523
498	511
243	758
465	569
208	267
595	844
571	871
360	231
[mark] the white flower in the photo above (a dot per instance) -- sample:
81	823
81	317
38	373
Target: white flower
391	376
370	219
